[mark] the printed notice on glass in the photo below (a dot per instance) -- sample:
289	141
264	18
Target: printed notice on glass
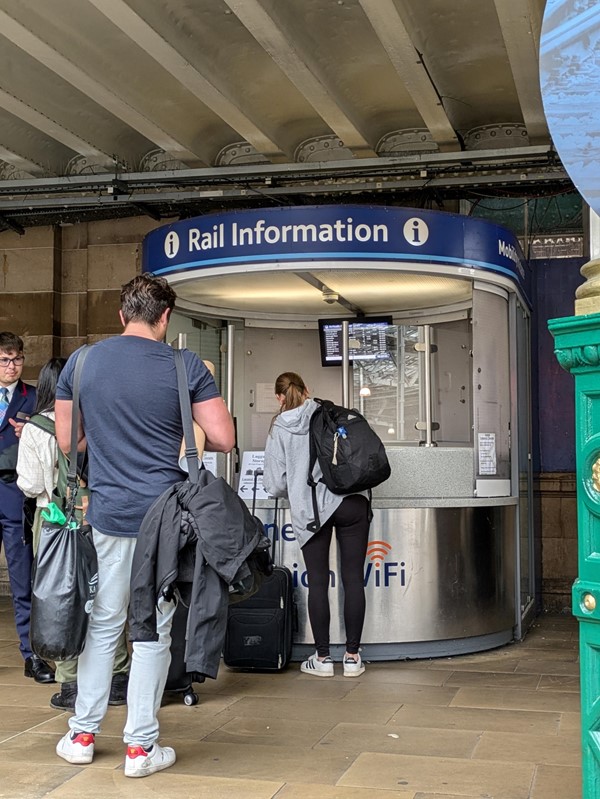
487	453
252	469
265	400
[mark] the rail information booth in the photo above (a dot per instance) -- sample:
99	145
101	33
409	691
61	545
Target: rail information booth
421	320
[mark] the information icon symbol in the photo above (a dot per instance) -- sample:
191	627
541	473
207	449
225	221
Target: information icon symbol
416	231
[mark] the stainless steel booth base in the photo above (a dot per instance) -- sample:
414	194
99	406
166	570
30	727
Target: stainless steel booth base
439	579
415	651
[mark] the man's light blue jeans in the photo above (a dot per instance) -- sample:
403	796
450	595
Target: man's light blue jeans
150	661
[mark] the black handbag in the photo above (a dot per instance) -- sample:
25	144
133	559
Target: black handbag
65	568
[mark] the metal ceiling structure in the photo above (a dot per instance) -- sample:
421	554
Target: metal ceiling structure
178	107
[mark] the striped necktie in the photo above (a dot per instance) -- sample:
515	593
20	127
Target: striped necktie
3	403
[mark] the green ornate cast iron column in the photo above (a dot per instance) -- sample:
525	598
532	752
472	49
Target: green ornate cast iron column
577	348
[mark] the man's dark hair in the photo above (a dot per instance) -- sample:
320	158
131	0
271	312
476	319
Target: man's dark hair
145	299
10	342
45	395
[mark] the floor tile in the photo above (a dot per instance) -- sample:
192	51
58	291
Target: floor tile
556	782
550	644
295	791
24	717
545	632
380	673
467	718
570	724
559	682
20	693
427	795
303	686
371	712
252	762
209	704
89	784
570	654
398	693
36	780
440	775
109	751
517	699
505	665
492	679
271	732
399	739
10	657
515	748
569	668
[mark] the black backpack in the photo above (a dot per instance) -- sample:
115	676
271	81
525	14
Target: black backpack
350	453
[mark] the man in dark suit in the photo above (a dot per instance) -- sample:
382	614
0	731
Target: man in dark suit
17	402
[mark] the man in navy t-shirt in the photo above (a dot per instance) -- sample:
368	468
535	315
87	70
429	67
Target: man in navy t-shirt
131	424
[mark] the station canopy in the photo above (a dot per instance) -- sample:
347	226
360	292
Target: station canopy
176	108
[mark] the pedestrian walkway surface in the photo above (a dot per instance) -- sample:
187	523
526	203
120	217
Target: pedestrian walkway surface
499	725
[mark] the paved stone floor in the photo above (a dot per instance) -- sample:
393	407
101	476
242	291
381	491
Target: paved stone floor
499	725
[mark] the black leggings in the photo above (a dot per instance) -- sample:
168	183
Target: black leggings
351	522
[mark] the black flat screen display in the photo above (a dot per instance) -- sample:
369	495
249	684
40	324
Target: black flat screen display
367	340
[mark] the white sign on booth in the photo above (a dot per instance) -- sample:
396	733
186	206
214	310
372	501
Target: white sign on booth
253	463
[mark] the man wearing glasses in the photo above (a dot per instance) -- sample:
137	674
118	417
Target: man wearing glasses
17	402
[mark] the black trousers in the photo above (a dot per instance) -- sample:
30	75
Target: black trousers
351	522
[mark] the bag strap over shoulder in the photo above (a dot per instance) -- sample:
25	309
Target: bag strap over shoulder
47	425
315	525
43	423
191	450
72	478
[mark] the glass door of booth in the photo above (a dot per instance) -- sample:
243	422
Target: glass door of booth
418	392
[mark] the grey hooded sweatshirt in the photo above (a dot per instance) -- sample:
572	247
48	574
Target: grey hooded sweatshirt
287	456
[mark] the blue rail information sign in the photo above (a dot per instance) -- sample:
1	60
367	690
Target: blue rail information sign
333	232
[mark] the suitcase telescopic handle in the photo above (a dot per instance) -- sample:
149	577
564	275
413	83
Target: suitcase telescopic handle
277	545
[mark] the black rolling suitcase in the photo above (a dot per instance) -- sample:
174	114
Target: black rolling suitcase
260	629
180	681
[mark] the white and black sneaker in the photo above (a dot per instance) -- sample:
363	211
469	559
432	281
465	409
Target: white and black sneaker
316	667
353	668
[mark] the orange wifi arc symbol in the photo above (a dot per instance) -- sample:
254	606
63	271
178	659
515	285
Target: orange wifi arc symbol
377	550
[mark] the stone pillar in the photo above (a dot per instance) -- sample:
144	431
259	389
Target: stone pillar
577	348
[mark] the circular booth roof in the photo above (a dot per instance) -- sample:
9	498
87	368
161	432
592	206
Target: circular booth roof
303	262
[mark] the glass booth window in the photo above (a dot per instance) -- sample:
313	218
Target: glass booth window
420	387
199	336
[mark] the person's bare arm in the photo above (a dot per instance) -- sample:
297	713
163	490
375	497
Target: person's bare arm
214	418
63	411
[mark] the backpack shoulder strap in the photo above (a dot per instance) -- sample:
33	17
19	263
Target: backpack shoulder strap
63	471
311	445
315	525
43	423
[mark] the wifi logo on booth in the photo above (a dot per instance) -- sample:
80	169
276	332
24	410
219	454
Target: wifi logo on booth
377	551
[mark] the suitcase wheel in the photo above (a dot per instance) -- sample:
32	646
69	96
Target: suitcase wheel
190	698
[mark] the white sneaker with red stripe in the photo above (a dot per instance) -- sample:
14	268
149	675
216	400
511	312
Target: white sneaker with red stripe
140	762
76	747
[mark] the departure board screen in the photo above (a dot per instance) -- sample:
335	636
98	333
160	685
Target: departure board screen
366	339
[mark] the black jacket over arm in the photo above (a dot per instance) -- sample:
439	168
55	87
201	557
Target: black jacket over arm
209	517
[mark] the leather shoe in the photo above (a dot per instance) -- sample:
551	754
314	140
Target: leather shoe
65	699
38	669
